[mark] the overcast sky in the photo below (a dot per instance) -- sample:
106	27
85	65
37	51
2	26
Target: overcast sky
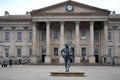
21	6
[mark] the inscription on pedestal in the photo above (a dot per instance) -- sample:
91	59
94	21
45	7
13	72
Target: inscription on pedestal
68	74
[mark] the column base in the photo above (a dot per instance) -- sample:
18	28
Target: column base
91	59
61	60
33	60
77	59
47	59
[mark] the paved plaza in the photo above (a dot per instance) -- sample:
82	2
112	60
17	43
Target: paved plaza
34	72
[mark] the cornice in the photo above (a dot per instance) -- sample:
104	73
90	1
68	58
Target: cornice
71	14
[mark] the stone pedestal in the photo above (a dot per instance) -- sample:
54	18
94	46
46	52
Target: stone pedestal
61	59
91	59
33	60
68	74
47	59
77	59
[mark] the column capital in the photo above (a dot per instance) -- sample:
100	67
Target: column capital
77	22
62	22
105	22
92	23
48	22
34	23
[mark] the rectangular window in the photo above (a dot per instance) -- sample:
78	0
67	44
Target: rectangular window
95	51
19	36
7	36
83	51
55	34
43	36
109	51
69	35
55	51
30	52
30	36
109	36
83	34
6	52
19	52
96	36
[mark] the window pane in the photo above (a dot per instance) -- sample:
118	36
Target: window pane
19	36
55	34
55	51
69	34
83	34
6	52
18	52
109	52
30	52
43	36
109	36
30	36
7	34
83	51
96	36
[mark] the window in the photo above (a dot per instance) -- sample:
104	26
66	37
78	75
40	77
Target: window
55	34
83	34
30	36
109	36
6	52
30	52
83	51
55	51
19	36
109	51
43	50
7	36
95	51
96	36
19	52
69	35
43	36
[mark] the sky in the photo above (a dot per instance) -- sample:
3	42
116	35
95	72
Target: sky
17	7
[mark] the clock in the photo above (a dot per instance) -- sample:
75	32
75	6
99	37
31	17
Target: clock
69	7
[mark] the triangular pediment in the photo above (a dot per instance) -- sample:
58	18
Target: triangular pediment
77	8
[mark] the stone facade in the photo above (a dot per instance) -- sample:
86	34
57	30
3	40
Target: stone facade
93	34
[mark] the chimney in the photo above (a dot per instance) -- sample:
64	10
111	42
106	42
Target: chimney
6	13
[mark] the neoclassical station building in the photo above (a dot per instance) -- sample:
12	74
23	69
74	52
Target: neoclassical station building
93	33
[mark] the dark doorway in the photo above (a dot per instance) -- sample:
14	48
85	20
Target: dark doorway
96	58
43	58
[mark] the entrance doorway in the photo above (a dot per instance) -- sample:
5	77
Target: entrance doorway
43	58
96	58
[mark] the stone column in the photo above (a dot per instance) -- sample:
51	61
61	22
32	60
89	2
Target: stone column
105	31
77	37
61	39
13	43
48	55
91	47
33	58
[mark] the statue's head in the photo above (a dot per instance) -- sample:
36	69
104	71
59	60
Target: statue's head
66	45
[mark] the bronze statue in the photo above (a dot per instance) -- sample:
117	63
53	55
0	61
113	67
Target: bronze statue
67	56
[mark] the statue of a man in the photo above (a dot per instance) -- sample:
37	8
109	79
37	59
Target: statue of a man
67	56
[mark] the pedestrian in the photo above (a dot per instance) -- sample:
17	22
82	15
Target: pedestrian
19	61
105	59
10	63
113	62
4	63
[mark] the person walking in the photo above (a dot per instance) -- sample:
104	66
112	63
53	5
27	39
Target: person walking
10	63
